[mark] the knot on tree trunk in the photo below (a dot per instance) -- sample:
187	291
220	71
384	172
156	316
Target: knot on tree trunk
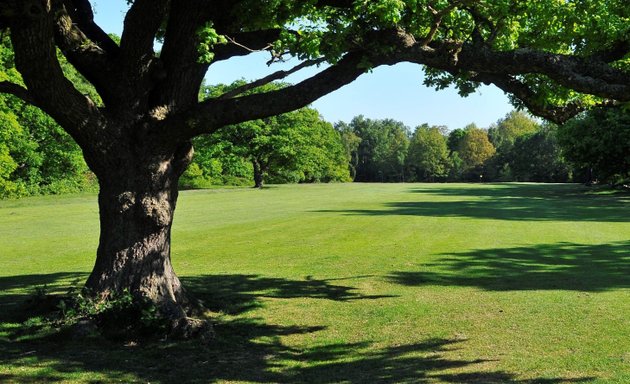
158	207
155	207
126	200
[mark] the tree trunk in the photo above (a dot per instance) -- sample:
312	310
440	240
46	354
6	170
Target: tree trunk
258	174
134	245
136	206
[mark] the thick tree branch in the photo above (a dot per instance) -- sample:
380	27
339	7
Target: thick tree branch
142	22
36	59
557	114
583	75
617	50
586	76
82	14
92	61
210	115
137	64
180	56
500	68
18	91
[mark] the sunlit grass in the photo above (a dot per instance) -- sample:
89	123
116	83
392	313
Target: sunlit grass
429	283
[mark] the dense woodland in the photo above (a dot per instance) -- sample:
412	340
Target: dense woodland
299	147
38	157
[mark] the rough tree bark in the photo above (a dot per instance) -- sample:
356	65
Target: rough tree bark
136	205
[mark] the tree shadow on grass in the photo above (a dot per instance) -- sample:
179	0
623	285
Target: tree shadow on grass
531	202
15	290
527	190
246	348
565	266
235	294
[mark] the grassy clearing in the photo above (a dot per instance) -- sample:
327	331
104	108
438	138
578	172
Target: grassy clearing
456	283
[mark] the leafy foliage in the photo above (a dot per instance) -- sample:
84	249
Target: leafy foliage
351	143
455	138
599	140
289	148
537	157
475	148
119	316
504	133
208	39
428	158
382	149
527	151
36	154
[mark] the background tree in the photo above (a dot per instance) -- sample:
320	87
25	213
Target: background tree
503	134
538	157
382	149
322	157
293	147
515	124
475	149
13	147
351	143
455	138
391	158
217	161
137	141
428	158
40	157
599	140
453	143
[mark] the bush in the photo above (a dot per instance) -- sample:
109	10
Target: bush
118	317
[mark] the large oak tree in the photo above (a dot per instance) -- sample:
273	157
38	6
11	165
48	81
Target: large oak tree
548	54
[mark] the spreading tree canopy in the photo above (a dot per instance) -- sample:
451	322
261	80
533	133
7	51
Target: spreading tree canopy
555	57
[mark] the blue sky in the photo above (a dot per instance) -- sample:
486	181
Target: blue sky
393	92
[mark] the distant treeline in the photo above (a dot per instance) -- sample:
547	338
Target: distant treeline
300	147
38	157
516	148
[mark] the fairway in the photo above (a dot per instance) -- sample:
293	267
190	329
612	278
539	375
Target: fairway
352	283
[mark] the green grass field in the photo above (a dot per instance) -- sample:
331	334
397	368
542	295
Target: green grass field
351	283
